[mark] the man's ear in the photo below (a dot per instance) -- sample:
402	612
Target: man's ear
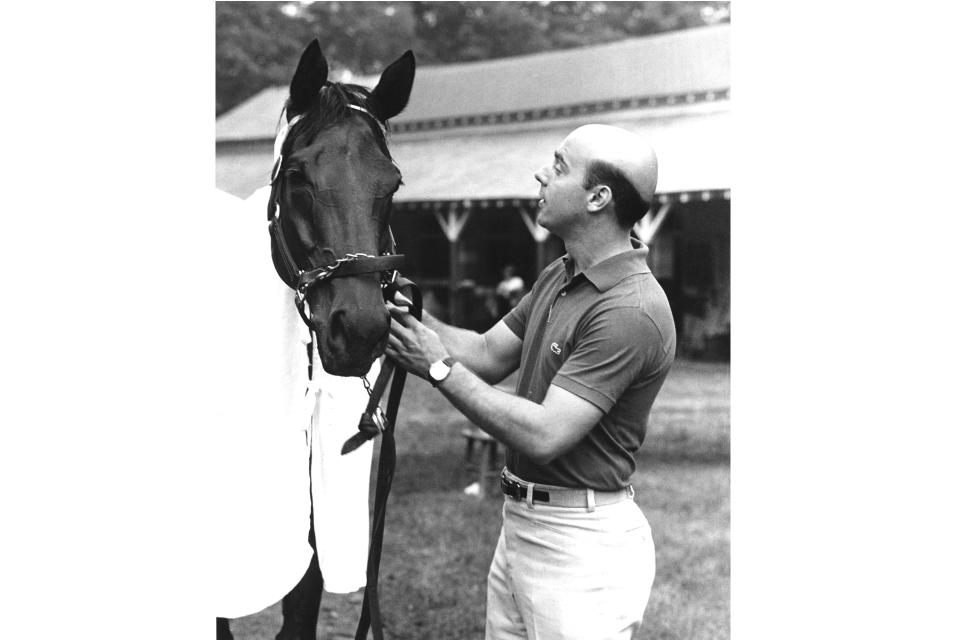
600	196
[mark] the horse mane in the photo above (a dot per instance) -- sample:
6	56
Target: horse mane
330	107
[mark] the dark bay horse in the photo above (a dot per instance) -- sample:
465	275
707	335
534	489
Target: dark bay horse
331	195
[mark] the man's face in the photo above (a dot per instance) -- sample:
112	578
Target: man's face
563	200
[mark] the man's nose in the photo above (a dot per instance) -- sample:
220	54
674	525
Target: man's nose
541	176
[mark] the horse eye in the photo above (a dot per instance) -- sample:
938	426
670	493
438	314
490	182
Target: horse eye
296	176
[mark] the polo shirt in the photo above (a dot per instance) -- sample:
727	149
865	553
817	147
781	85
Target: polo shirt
606	335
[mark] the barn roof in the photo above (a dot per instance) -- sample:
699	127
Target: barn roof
693	65
672	63
498	163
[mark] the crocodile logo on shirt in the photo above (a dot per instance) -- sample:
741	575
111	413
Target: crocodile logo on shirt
555	348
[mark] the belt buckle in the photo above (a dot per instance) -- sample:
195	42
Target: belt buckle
510	488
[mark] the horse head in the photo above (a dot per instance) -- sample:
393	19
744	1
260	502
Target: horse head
332	192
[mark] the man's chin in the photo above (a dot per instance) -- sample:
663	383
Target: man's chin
543	221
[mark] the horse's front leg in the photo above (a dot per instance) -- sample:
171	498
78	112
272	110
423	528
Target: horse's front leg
301	607
223	629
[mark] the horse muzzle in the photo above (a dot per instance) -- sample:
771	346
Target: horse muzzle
351	339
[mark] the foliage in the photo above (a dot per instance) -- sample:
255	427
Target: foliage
259	43
258	46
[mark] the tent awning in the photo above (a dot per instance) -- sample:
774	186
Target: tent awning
692	149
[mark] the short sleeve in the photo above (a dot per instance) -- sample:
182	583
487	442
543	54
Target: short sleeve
611	350
516	318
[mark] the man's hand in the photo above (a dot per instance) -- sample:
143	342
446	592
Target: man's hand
412	345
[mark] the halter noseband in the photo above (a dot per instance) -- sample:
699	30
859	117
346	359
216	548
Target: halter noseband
352	264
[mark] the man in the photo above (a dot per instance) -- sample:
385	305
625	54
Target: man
593	341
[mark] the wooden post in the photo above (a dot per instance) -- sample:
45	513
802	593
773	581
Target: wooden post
540	236
648	225
452	225
452	307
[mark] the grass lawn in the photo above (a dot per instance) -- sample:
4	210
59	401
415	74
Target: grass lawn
439	542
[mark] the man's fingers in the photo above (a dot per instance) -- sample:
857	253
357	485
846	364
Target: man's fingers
401	299
394	343
399	333
400	314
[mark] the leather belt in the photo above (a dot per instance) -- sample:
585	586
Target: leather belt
514	487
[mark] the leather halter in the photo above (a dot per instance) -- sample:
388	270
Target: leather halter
351	264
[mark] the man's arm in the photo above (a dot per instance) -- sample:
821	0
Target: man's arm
540	431
492	355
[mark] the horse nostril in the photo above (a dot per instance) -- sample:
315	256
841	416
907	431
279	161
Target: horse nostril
359	327
337	325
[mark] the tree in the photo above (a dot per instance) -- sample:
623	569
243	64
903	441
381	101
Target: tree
258	46
259	43
467	31
362	37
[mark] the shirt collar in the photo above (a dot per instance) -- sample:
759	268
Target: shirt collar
605	274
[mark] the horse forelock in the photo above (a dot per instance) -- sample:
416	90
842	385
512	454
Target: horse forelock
330	107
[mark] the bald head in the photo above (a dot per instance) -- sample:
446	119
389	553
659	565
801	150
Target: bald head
623	149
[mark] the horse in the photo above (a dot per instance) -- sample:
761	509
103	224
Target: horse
328	211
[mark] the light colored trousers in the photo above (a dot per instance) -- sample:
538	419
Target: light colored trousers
567	572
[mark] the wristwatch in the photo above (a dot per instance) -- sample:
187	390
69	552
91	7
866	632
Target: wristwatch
439	370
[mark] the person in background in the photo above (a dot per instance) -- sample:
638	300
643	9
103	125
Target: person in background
593	342
509	291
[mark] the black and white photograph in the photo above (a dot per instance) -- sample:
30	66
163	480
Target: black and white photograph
415	320
437	177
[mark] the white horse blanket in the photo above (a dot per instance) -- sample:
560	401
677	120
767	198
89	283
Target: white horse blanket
268	418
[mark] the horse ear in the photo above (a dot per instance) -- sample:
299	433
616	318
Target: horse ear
392	92
310	76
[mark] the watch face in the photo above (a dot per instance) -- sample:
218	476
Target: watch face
439	371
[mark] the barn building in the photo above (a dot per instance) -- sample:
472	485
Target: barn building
473	135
